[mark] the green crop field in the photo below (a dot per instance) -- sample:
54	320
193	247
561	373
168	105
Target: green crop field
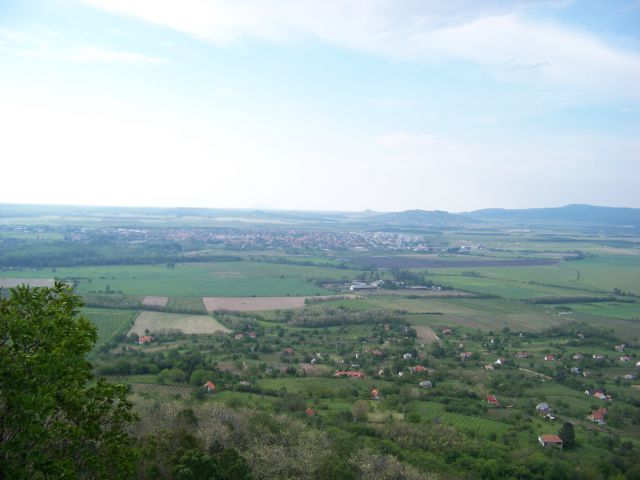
109	322
232	279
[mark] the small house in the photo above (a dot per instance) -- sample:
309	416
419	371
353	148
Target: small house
493	400
310	412
549	358
620	348
418	369
553	440
543	408
576	371
426	384
447	331
464	356
598	356
597	416
522	355
210	386
625	358
629	376
144	339
577	356
500	361
239	336
375	394
488	366
253	335
407	356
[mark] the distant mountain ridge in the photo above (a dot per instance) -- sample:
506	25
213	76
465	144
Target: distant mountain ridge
586	215
575	213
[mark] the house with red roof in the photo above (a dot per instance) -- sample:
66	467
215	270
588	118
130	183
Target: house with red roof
550	358
144	339
553	440
375	394
493	400
210	386
597	416
310	412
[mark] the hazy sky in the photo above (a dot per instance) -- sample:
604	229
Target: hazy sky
322	105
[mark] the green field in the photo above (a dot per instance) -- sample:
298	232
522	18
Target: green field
109	322
223	279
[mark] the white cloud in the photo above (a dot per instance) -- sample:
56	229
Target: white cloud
96	54
494	34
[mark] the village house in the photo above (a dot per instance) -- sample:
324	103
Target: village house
577	356
549	358
553	440
488	366
500	361
620	348
447	331
376	353
543	408
426	384
522	355
465	356
253	335
310	412
144	339
598	356
625	358
407	356
238	336
418	369
576	371
493	400
210	386
629	376
375	394
597	416
599	393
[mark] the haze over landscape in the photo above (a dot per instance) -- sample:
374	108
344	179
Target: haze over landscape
334	105
320	239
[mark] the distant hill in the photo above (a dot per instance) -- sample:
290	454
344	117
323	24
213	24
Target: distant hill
585	214
420	218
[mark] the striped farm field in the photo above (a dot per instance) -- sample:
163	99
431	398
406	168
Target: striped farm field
431	411
425	334
160	322
109	322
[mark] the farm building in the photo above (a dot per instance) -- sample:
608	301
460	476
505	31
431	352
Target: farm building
500	361
577	356
598	415
599	393
375	394
522	355
407	356
576	371
625	358
549	358
238	336
210	386
310	412
553	440
418	369
629	376
620	348
488	366
447	331
144	339
493	400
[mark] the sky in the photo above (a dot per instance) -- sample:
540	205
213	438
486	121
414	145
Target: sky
386	105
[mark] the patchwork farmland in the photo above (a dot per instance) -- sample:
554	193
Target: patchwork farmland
160	322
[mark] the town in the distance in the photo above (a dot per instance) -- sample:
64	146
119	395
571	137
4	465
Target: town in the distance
492	344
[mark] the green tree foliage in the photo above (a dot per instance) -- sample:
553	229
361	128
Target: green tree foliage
568	435
55	422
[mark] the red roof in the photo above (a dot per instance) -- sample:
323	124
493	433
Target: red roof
210	385
145	339
310	412
492	400
599	414
550	439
